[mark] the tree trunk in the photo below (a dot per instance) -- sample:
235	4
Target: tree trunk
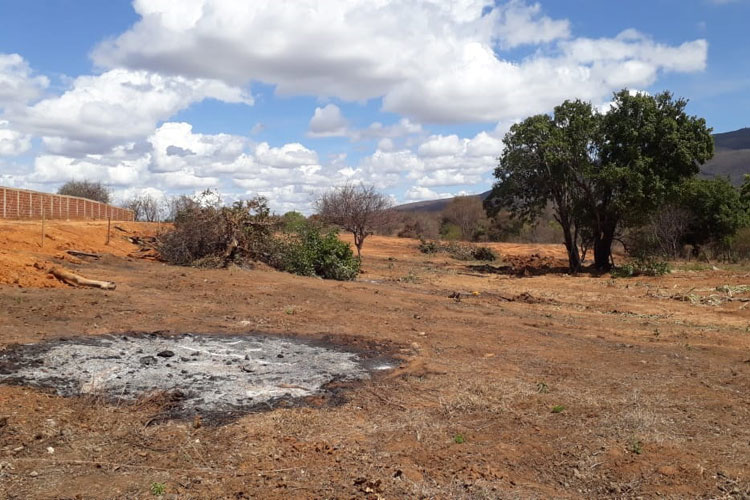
74	279
571	244
574	258
603	249
358	242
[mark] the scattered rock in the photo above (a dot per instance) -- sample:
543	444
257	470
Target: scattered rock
33	473
166	354
148	360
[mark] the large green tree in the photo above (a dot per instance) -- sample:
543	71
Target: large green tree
600	172
547	159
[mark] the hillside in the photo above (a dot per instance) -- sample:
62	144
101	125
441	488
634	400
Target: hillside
731	159
431	206
732	156
739	139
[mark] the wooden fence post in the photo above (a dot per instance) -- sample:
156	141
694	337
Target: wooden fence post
42	245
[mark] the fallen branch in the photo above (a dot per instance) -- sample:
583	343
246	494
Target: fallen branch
76	253
73	279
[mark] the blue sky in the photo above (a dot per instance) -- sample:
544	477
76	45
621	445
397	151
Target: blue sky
286	99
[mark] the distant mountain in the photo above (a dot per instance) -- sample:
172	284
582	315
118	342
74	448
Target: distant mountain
731	159
431	205
739	139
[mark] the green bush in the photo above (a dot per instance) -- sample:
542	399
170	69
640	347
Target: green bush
484	253
428	247
459	251
311	253
450	232
641	267
293	221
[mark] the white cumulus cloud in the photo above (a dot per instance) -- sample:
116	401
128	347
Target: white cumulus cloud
446	64
328	122
101	111
18	84
12	142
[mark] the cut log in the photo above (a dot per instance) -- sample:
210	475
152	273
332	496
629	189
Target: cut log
74	279
76	253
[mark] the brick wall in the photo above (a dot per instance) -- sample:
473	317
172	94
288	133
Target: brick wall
23	204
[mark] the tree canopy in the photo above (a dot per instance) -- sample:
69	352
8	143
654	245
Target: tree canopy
716	210
358	209
601	172
90	190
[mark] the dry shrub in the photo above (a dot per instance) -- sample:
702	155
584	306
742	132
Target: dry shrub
419	225
208	232
739	245
467	214
210	235
460	251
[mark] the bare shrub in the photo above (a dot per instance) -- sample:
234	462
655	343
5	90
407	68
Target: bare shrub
419	225
206	234
145	207
459	251
358	209
669	227
466	212
739	245
503	227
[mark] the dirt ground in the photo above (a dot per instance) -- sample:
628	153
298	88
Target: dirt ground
527	385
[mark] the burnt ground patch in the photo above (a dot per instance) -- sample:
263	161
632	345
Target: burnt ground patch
219	377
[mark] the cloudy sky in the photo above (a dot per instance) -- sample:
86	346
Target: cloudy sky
284	99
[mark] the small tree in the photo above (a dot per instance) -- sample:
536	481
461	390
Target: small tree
669	225
86	189
134	205
358	209
145	207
